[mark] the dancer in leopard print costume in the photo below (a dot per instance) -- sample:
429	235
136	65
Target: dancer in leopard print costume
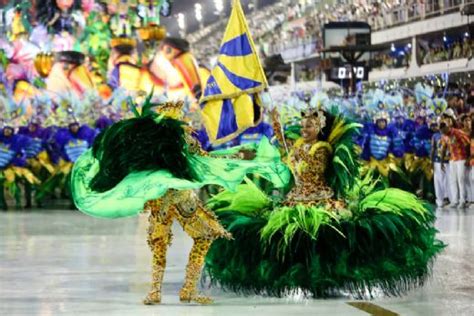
152	163
198	222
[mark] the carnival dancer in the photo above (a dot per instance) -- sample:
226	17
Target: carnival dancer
332	233
151	162
421	169
69	143
471	161
379	145
12	164
466	126
37	156
398	129
456	141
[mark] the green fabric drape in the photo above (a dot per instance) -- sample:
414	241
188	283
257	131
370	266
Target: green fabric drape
128	197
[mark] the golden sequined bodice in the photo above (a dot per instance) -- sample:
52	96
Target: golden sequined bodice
309	162
310	165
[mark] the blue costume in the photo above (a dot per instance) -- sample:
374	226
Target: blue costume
66	145
378	143
421	140
399	134
37	142
12	162
37	156
71	145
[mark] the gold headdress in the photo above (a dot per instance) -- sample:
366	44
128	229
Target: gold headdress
172	109
316	115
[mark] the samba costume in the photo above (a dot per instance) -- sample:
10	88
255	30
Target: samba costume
66	139
387	142
334	233
13	171
152	162
14	147
421	169
377	150
399	129
37	157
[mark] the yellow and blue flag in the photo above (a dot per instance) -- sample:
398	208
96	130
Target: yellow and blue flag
230	103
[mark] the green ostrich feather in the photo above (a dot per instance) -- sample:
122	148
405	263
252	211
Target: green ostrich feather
385	241
247	198
140	144
290	220
376	250
344	169
148	142
394	201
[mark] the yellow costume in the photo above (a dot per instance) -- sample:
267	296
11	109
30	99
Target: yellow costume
198	222
309	161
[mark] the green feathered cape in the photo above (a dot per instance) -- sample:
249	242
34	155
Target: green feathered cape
130	194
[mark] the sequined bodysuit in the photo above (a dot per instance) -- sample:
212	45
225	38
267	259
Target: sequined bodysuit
197	221
308	162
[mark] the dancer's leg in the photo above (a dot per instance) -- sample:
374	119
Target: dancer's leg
439	184
453	183
189	291
159	237
204	228
461	176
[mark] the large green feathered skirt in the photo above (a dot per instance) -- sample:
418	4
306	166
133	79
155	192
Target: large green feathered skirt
129	195
386	241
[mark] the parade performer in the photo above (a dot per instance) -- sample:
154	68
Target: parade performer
152	163
440	177
456	142
399	128
333	233
68	143
466	123
378	145
37	156
420	169
12	165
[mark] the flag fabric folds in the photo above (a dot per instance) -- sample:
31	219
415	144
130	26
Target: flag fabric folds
230	102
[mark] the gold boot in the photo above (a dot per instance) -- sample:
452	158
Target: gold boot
159	237
189	292
154	295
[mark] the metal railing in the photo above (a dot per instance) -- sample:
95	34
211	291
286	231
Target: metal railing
295	49
417	11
